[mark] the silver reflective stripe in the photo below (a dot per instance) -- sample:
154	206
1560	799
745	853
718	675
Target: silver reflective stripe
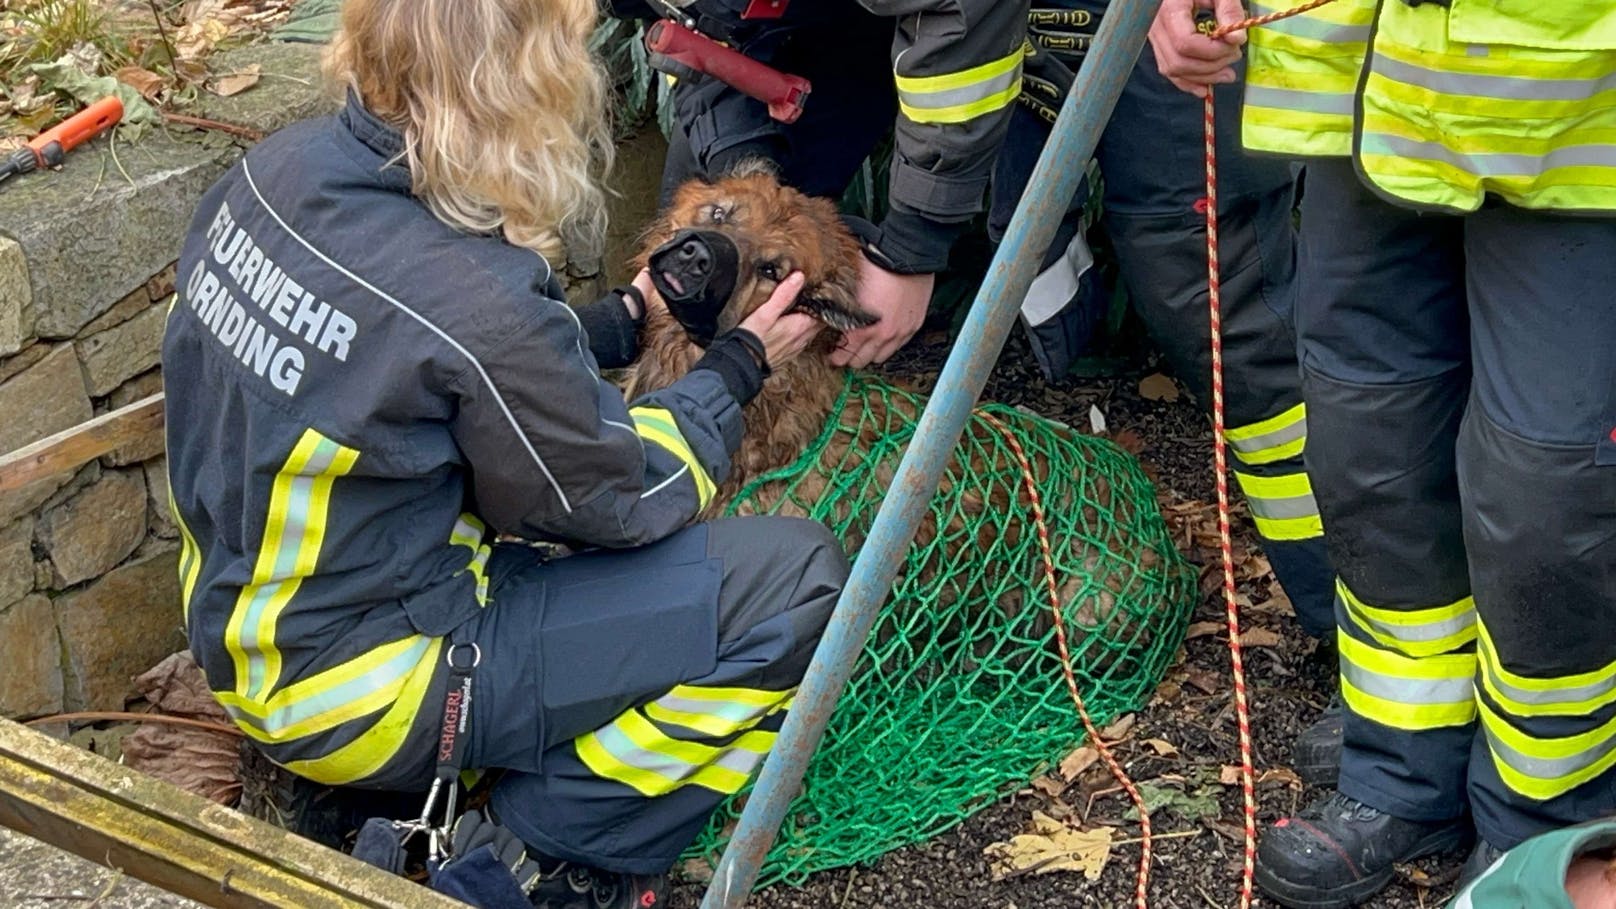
1339	103
1056	285
1279	509
1546	768
383	676
732	712
620	746
1491	164
1408	691
1428	631
1316	29
1506	88
1558	696
965	94
1271	439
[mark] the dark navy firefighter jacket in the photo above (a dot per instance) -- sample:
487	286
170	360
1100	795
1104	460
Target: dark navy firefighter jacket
358	398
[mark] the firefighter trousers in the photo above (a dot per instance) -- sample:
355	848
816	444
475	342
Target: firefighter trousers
1460	376
627	693
1153	169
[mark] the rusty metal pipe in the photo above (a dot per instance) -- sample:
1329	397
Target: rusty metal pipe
1050	189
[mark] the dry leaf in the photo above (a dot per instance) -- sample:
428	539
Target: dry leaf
1162	747
1078	761
237	82
1119	730
196	760
1051	846
1229	774
1283	775
698	870
1157	387
1204	679
1260	637
1051	786
198	37
142	80
1203	629
1129	441
1278	604
1096	421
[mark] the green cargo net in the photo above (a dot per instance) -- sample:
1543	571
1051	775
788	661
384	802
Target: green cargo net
958	696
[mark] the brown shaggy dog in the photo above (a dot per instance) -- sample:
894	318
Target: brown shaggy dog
775	230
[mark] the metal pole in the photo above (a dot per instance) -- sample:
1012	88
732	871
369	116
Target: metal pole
1053	183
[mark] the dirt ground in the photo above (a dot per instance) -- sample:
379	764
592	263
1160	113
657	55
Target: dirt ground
1196	856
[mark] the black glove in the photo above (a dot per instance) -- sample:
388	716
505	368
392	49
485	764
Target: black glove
473	830
1057	40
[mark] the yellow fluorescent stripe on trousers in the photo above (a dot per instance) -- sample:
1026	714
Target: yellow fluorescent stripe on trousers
293	534
1404	693
1543	768
1413	632
1577	694
657	426
470	533
631	750
695	708
1274	439
1282	507
325	700
371	751
190	559
961	96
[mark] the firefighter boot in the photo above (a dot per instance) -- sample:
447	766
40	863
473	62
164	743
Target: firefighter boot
1339	852
1316	757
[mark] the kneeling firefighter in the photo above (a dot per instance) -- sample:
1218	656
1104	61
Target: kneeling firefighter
371	376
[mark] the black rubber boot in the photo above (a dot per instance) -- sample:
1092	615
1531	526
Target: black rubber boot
567	886
1316	757
1481	858
1339	852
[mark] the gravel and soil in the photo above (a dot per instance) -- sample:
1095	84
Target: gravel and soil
1197	856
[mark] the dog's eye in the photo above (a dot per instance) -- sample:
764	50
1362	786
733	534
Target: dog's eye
717	214
769	270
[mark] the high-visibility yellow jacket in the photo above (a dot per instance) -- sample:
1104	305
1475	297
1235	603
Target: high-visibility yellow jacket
1441	107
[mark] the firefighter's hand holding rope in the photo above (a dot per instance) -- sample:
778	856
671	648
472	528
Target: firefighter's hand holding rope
1190	59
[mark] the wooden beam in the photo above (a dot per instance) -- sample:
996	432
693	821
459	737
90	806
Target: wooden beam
78	445
182	843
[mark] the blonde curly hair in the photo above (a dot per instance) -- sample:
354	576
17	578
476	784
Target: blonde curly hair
502	107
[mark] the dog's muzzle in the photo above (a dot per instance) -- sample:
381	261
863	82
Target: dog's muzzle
695	273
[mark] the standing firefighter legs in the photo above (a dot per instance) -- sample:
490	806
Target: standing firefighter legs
1461	390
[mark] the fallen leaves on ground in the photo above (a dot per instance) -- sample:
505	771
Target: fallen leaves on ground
1261	637
1157	387
1051	846
1173	794
1229	775
1162	747
237	82
1078	761
147	83
196	760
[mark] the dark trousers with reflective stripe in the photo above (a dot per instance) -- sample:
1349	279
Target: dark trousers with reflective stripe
1154	171
1460	375
627	693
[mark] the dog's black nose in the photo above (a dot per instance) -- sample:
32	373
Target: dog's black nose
696	256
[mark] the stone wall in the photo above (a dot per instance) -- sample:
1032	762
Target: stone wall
89	588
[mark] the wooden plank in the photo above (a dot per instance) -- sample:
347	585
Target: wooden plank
180	842
80	444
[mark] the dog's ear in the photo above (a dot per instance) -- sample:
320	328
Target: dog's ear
834	305
752	167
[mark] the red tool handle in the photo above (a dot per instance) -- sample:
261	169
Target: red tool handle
784	93
76	130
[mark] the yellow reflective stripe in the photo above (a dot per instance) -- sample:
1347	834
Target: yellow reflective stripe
1410	717
964	95
470	532
964	78
657	425
1282	507
1443	681
1414	632
695	708
667	763
341	674
190	557
1274	439
1571	695
371	751
1544	768
293	534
